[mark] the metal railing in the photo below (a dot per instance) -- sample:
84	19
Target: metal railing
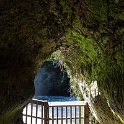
42	112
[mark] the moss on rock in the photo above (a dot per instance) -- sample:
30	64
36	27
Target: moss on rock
90	36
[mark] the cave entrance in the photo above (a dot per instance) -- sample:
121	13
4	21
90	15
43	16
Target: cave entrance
51	85
52	80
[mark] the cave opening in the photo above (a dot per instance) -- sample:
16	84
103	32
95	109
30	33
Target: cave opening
52	80
52	84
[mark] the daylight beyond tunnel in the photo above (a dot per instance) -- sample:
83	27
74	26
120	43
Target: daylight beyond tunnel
51	80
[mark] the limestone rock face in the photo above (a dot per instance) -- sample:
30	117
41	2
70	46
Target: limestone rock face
90	36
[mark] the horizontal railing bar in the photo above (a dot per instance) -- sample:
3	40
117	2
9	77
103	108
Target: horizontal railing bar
33	116
59	118
76	103
65	105
35	101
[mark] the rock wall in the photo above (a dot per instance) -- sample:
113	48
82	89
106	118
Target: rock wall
23	47
90	35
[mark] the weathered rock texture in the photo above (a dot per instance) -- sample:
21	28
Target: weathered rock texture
90	35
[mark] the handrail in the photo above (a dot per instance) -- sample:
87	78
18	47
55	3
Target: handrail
74	103
58	111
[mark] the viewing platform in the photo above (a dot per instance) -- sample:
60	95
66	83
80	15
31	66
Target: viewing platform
43	112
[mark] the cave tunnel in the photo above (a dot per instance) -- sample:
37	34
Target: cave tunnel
90	36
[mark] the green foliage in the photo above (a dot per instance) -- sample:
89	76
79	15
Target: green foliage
65	9
98	46
99	9
89	51
97	64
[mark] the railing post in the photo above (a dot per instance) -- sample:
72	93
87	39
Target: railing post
86	114
46	121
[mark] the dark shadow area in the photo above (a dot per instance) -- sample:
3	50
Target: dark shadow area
52	80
